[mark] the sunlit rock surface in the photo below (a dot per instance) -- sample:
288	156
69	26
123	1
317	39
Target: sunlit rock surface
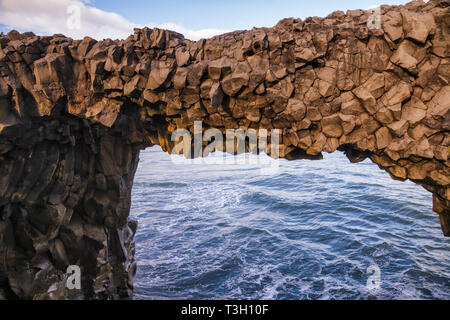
75	113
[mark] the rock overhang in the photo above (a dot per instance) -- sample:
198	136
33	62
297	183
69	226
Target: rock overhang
75	113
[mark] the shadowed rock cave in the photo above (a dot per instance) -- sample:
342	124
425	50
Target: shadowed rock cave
74	115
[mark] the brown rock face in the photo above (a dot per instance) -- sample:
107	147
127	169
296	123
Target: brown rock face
74	115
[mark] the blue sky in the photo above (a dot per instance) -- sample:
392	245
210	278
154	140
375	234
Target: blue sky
201	18
228	14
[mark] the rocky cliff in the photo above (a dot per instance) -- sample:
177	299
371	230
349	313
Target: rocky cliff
75	113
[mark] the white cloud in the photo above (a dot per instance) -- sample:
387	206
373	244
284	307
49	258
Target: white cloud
189	34
61	16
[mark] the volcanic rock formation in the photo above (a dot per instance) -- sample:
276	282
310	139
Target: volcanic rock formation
74	115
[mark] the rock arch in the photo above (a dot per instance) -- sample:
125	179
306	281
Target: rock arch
75	113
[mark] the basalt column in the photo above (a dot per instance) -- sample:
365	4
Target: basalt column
65	199
75	113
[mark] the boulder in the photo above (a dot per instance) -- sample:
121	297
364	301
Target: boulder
182	56
160	72
402	58
398	94
234	82
414	111
417	26
295	110
331	126
367	99
393	25
399	128
134	87
383	137
216	95
219	68
352	107
195	73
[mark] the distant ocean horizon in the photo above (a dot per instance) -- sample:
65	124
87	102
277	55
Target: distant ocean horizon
324	229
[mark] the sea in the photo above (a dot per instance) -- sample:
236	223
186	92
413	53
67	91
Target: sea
251	227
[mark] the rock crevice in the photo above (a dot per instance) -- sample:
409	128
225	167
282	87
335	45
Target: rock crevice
75	113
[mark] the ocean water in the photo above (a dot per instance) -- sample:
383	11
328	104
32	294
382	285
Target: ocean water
325	229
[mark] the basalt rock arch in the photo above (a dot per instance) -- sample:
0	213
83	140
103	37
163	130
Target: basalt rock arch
74	115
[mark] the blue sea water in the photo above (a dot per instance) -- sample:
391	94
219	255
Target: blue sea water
309	230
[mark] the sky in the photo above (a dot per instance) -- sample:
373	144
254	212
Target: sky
195	19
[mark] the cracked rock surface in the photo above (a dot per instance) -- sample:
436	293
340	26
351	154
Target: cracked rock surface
74	115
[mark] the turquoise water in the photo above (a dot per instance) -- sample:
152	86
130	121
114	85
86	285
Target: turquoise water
309	230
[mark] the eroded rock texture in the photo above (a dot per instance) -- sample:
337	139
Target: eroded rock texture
74	115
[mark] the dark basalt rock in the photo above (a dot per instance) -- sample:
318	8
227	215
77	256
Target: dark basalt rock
75	114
